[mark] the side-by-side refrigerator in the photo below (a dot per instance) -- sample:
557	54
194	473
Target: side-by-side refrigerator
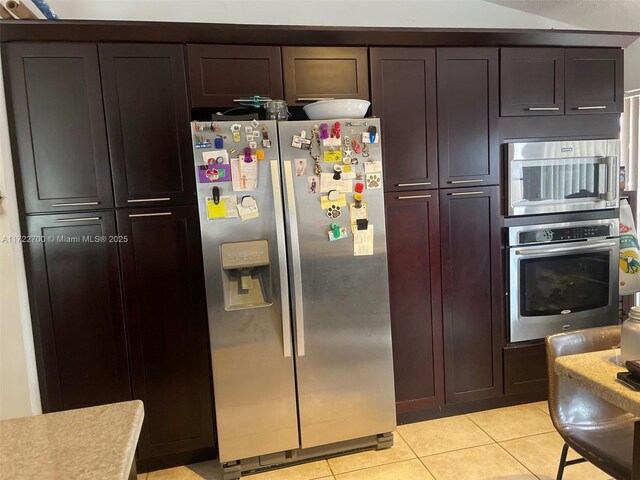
293	236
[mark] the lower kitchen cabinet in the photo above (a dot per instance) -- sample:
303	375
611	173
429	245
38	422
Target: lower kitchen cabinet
471	293
76	310
163	280
413	251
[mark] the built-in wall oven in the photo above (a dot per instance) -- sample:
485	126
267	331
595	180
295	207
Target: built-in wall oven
553	177
562	276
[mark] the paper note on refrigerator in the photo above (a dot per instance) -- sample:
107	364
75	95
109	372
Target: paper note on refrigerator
363	241
328	183
356	214
244	175
225	208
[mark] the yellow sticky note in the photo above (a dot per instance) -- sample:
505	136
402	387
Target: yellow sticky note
335	156
326	203
216	211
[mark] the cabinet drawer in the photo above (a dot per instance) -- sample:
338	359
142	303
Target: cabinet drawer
316	73
219	74
525	369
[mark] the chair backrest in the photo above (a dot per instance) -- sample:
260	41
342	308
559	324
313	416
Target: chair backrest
570	404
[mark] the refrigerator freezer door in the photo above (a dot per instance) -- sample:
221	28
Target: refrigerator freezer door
340	302
253	372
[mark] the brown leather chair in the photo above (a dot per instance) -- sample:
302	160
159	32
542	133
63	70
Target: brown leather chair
600	432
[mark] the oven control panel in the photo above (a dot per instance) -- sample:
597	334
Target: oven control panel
563	232
559	234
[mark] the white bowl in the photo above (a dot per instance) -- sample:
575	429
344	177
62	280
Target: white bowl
341	108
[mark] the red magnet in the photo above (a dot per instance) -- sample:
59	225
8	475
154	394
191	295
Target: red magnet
359	187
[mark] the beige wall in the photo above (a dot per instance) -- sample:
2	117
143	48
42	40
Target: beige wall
19	395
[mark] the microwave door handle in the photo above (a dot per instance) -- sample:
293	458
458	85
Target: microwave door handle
611	179
282	259
585	246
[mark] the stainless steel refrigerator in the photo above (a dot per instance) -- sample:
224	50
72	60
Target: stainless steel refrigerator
296	281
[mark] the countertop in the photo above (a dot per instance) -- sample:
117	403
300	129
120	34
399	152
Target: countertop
96	442
596	372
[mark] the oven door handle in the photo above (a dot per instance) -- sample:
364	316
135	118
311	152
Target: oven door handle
586	246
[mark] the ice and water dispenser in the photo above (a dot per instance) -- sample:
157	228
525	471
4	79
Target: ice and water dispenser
246	274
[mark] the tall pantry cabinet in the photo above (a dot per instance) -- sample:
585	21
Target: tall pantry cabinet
117	298
443	228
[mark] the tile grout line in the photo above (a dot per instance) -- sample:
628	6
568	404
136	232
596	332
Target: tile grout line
483	430
518	461
408	445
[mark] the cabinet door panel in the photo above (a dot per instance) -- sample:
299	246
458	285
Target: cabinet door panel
147	113
531	81
413	246
58	127
314	73
77	311
403	94
594	80
468	143
471	293
163	280
219	74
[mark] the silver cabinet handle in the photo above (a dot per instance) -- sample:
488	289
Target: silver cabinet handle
595	107
313	99
282	259
74	204
584	246
295	253
407	197
455	182
412	184
139	200
79	219
542	109
159	214
460	194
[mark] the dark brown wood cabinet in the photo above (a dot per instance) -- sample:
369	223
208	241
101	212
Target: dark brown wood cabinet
403	95
594	80
58	124
531	81
471	293
163	278
77	311
220	74
468	140
147	112
413	252
525	369
316	73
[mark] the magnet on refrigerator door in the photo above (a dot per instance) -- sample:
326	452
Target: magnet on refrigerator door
301	166
336	232
214	173
373	181
312	184
248	208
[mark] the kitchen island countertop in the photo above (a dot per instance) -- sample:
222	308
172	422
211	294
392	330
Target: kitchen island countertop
96	442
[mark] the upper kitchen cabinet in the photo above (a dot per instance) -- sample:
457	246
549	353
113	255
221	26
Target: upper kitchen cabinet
220	74
58	129
403	86
76	311
531	81
468	143
319	73
147	112
163	279
594	80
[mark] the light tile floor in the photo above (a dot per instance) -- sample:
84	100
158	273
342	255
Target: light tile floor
512	443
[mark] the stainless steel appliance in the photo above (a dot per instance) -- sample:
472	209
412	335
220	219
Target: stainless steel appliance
550	177
563	276
299	325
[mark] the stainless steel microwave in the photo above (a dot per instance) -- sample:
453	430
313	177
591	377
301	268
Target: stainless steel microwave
552	177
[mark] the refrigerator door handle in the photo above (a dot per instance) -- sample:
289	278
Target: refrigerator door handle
282	258
295	254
